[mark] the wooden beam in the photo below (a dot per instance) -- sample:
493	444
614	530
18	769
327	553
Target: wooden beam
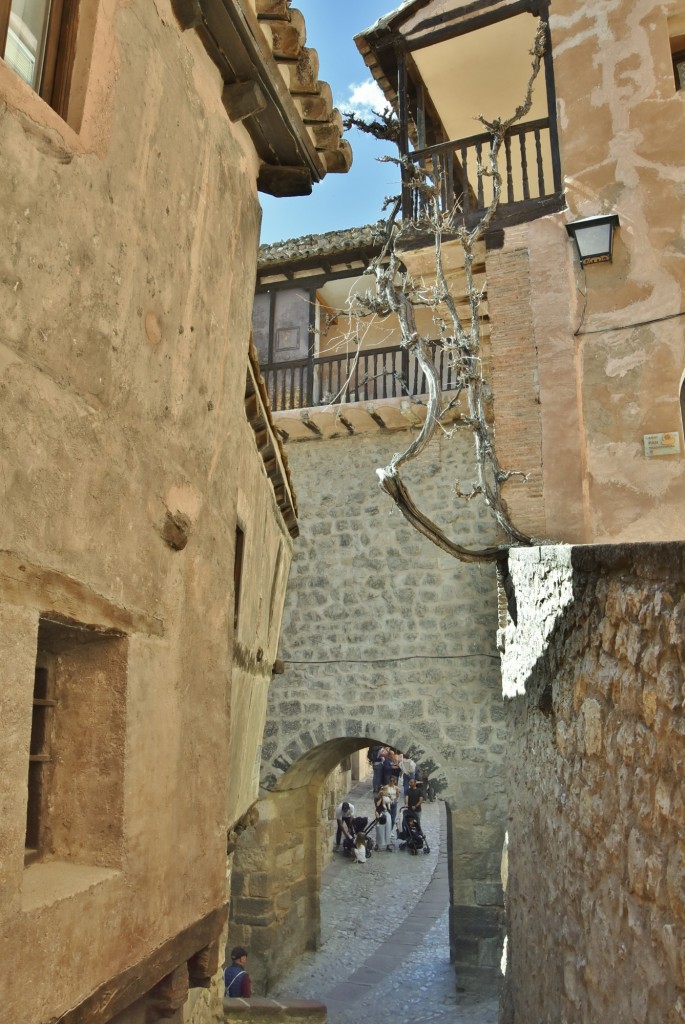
288	37
168	996
272	8
120	992
203	966
243	99
281	181
317	280
338	161
469	19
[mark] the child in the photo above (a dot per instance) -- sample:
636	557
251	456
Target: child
359	849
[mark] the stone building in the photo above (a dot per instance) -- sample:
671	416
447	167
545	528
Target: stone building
387	640
588	370
148	513
599	348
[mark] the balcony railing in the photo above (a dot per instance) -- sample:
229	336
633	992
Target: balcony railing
528	163
348	377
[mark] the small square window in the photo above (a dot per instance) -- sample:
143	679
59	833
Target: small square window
38	41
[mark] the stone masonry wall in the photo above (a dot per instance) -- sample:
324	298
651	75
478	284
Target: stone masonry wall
387	639
274	885
596	888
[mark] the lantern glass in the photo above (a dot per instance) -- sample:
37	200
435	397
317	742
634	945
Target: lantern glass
594	241
594	236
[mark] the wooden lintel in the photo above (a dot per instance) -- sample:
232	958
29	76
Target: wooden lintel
168	996
277	180
188	13
243	99
203	966
120	992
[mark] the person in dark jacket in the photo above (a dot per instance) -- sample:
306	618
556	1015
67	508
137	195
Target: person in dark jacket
237	982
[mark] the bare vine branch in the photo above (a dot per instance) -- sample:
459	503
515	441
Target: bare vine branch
397	293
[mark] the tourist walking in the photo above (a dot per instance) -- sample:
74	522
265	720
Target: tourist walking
237	982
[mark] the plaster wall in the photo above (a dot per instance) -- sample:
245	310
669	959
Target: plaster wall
596	863
125	300
609	340
585	363
622	151
386	639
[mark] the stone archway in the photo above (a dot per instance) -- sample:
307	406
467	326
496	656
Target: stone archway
277	864
384	639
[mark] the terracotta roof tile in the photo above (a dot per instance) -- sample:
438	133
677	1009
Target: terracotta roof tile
329	243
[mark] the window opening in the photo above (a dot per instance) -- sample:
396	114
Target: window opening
39	753
38	41
275	584
238	573
682	404
74	809
679	69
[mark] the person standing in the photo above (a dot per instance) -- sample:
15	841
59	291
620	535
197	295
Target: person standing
383	823
413	800
378	760
393	792
388	767
408	772
237	982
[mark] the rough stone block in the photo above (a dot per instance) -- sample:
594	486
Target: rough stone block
488	894
480	922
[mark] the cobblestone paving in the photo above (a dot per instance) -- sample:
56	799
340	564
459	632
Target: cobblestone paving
385	941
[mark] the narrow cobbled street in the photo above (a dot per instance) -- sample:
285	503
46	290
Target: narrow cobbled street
385	945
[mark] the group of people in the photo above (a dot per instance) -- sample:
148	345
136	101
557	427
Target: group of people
396	778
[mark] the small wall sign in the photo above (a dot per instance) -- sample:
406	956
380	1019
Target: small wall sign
662	444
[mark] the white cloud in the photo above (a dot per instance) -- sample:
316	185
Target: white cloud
364	98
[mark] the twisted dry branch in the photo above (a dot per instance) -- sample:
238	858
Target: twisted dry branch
397	293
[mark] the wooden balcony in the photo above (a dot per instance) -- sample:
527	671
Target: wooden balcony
528	162
349	377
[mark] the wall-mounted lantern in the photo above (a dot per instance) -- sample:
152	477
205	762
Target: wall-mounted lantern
594	237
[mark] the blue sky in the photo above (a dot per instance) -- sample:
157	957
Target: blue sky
355	198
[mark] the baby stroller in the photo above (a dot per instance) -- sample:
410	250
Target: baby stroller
410	835
357	825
